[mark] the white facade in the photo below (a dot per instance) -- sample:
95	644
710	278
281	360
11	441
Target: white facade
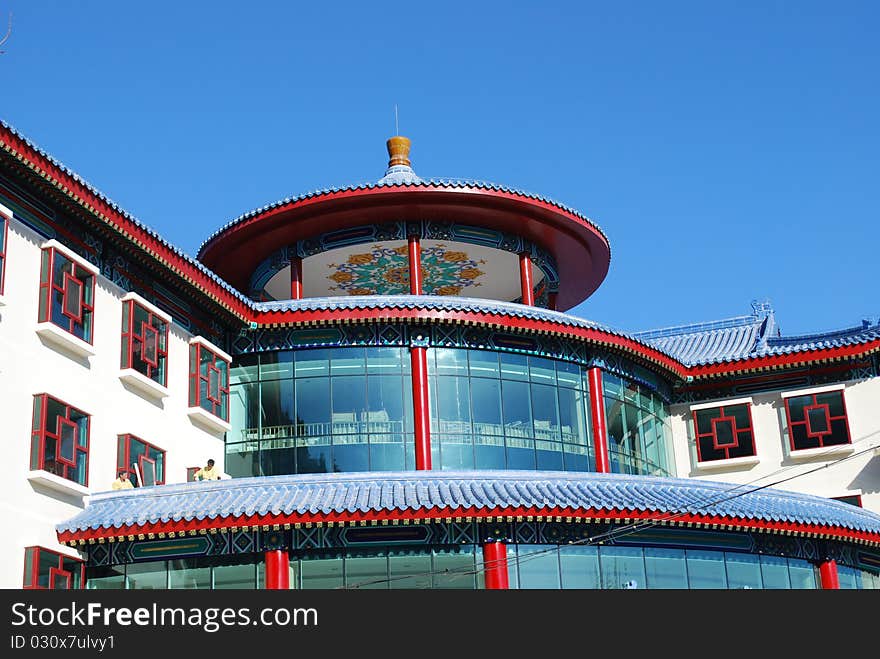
857	474
30	363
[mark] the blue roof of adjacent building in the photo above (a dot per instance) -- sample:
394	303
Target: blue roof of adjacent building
421	491
744	337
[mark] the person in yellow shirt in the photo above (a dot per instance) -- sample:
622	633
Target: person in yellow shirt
207	473
122	483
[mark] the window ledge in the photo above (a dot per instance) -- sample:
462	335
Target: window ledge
143	384
65	340
732	464
57	483
821	452
208	421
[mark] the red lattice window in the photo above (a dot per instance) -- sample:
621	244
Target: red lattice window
45	569
145	341
817	420
144	462
724	432
60	439
208	380
67	293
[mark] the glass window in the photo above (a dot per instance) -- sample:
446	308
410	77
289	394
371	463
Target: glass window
321	573
665	568
622	568
312	363
706	569
366	572
106	578
409	570
143	462
189	574
45	569
276	365
817	420
236	573
454	568
802	574
60	439
743	571
209	380
538	566
147	576
144	341
67	292
579	565
774	572
724	432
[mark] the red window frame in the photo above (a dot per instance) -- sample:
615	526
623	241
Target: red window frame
723	416
82	316
4	239
31	578
134	340
851	499
124	461
200	377
190	474
807	424
40	433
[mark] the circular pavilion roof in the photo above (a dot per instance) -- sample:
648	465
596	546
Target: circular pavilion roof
581	250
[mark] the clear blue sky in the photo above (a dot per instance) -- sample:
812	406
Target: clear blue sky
728	149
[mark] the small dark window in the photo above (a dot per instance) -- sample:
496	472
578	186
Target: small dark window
817	420
724	432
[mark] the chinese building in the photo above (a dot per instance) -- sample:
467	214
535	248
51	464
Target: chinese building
387	380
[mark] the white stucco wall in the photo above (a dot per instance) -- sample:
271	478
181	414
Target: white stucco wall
857	475
28	365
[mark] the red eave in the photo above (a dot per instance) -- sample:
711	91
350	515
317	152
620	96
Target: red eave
204	526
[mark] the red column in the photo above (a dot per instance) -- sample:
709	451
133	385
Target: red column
600	430
828	575
296	278
277	570
421	411
495	565
525	278
415	266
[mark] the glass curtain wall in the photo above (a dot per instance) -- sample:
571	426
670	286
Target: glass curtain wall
321	410
495	410
639	437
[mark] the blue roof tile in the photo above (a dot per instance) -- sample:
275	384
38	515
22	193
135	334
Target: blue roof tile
412	491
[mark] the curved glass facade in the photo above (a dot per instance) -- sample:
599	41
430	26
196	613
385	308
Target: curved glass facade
639	437
322	410
350	409
530	566
498	410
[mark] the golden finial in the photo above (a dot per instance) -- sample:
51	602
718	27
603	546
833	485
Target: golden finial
398	151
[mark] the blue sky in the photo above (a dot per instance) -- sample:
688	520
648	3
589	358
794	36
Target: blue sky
729	150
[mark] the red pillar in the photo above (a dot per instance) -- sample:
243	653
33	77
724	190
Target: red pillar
828	575
525	278
277	570
415	266
421	411
600	430
495	565
296	278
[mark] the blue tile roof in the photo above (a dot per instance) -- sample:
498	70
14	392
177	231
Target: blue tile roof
745	337
420	491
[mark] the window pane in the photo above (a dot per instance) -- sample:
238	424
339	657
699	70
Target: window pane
834	401
546	416
451	361
774	572
706	569
542	370
409	571
366	572
514	367
538	566
743	571
622	568
188	575
310	363
483	363
321	573
348	361
580	566
665	568
384	361
228	577
276	365
313	406
802	574
454	568
147	576
276	403
105	578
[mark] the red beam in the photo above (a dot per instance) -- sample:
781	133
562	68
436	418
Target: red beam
525	279
296	278
421	410
495	565
600	428
415	266
828	575
277	570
